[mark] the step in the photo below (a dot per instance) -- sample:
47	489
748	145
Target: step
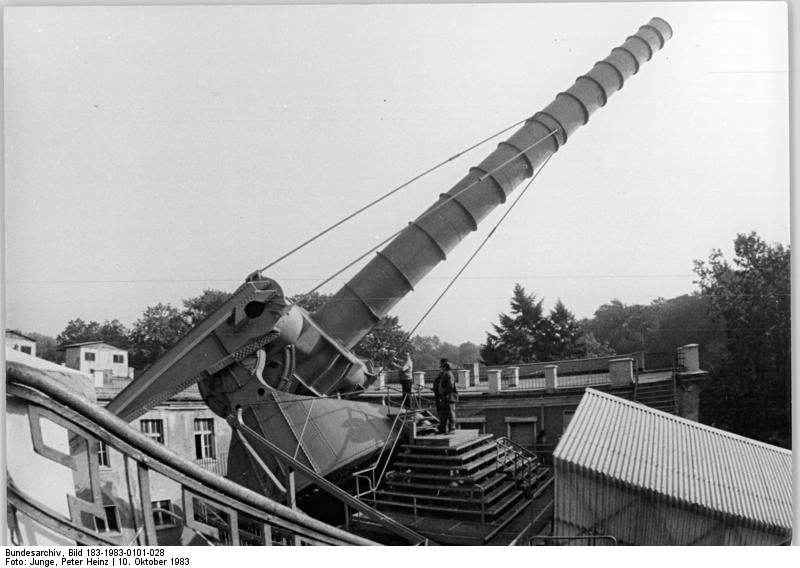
462	466
449	457
450	510
497	509
471	478
499	491
470	488
465	501
449	441
423	497
442	447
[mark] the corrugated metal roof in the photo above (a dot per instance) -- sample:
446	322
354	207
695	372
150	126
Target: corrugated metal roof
680	459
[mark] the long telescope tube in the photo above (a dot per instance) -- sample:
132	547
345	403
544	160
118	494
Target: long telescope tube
360	304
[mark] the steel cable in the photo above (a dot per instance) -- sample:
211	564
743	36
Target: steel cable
388	194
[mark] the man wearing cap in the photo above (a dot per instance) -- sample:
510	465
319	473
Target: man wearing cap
446	395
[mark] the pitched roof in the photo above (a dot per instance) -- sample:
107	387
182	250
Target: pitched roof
68	345
686	462
18	334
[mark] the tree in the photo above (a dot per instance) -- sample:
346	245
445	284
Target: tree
564	335
383	343
518	338
159	328
311	301
468	353
625	329
686	319
380	345
78	331
428	350
46	347
591	347
198	308
751	393
112	332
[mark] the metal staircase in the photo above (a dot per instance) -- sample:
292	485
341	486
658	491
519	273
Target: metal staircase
461	488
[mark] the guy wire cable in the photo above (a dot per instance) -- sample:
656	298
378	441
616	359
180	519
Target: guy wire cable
436	208
389	194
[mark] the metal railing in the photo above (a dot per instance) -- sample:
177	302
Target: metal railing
523	463
241	515
590	540
217	465
584	380
660	361
368	473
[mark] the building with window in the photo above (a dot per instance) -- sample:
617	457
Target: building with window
532	404
19	342
97	358
185	425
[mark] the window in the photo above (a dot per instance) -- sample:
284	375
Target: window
119	358
154	429
472	423
88	356
111	521
204	439
522	430
161	513
25	349
102	455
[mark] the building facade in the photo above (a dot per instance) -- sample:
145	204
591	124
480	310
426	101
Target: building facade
19	342
187	427
99	359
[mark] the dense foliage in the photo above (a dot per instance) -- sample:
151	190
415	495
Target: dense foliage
740	317
527	335
749	392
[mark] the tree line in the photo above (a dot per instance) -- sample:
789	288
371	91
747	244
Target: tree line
739	316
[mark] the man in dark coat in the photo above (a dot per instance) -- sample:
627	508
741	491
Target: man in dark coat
446	395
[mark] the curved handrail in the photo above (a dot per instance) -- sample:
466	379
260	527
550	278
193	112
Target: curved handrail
24	381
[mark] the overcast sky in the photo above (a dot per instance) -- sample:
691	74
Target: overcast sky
153	152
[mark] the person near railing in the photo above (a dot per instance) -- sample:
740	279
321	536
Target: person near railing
446	395
406	369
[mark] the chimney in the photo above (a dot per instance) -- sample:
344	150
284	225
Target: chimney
550	377
689	358
495	380
620	371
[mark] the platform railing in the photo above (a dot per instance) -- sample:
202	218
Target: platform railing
49	411
382	461
585	540
524	463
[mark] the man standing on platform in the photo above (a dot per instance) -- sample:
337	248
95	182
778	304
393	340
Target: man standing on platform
446	395
406	369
